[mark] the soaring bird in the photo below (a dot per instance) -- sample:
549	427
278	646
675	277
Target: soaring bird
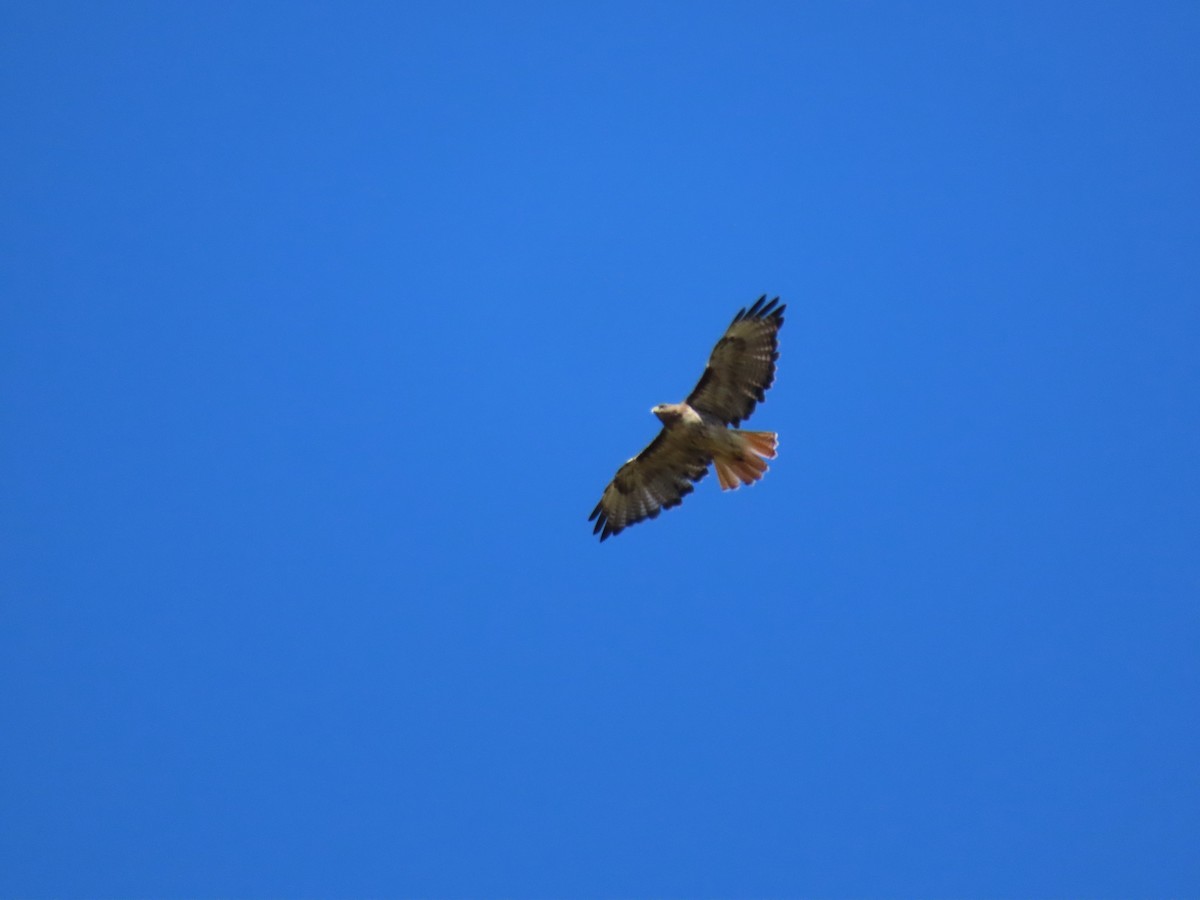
697	431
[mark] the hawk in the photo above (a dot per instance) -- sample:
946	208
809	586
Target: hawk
696	432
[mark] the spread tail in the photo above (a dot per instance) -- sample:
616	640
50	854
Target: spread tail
764	443
736	469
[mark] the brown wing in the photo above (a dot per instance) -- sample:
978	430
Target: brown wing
742	365
656	479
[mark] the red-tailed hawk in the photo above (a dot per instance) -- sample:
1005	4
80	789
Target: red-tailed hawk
696	433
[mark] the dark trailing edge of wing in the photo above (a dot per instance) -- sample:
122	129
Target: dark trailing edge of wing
606	530
761	309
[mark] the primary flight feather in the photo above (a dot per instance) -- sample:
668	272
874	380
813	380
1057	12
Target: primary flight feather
696	432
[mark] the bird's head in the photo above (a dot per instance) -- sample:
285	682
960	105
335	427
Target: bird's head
666	412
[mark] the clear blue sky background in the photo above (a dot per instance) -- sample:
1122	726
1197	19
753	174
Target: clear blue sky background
324	326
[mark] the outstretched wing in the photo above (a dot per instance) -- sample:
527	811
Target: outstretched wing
742	365
656	479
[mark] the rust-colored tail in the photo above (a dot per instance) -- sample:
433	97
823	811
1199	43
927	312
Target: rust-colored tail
764	443
736	469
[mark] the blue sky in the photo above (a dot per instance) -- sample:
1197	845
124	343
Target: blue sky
324	326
